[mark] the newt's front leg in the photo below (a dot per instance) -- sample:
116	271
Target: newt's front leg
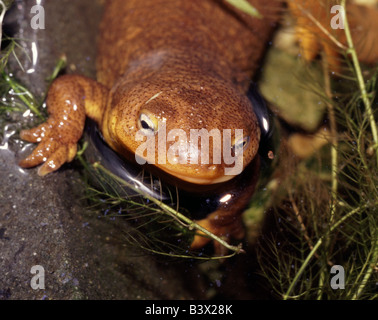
226	221
70	99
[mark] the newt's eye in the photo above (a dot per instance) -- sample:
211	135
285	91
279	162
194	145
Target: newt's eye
240	145
148	123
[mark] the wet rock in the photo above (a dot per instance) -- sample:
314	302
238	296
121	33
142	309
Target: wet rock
43	221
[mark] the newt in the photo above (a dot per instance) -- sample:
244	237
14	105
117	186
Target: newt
176	64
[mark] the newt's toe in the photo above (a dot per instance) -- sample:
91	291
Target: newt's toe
39	154
36	134
200	239
232	230
55	161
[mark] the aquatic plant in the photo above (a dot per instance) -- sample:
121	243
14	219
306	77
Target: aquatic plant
325	207
158	227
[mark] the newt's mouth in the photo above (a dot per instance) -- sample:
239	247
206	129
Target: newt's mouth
197	178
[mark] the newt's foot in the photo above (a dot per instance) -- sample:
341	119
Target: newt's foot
51	150
233	230
319	28
57	137
314	32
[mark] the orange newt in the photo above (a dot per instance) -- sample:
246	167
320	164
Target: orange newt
174	63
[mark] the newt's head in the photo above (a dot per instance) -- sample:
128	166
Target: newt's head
200	133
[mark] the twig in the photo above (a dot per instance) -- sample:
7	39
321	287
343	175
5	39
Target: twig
371	263
352	51
3	10
334	140
170	254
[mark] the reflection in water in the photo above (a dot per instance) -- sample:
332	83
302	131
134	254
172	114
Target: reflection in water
7	133
34	57
6	153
